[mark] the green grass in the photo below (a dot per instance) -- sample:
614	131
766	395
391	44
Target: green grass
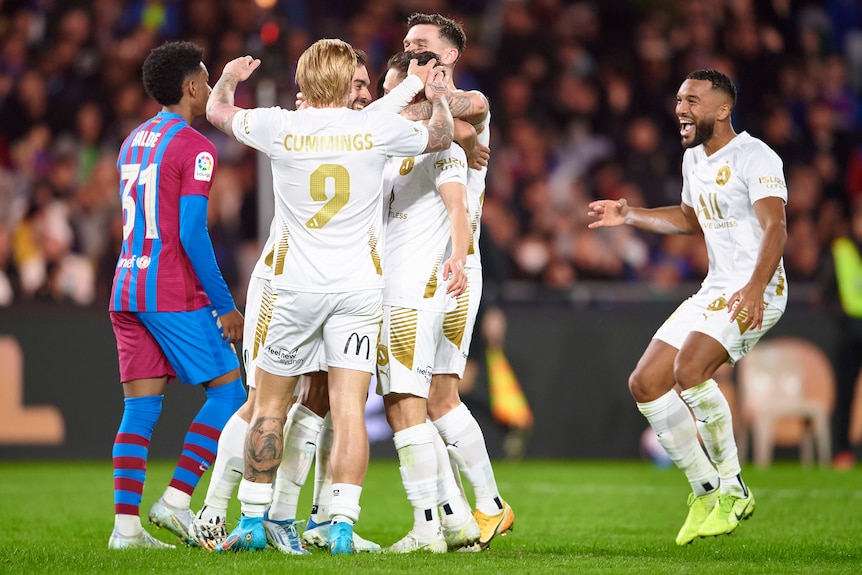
572	517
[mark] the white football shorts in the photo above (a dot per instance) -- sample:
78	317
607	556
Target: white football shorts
313	331
409	342
706	312
458	327
258	309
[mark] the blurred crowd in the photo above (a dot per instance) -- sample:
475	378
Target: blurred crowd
582	96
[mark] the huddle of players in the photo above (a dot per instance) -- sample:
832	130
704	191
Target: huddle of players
172	313
432	287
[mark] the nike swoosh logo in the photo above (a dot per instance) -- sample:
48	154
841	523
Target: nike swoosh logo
741	513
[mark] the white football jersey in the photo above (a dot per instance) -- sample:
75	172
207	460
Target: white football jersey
327	168
476	195
722	189
263	265
417	230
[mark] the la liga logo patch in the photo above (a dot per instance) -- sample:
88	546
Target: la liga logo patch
204	164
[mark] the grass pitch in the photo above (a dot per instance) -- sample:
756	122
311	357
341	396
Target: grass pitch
571	517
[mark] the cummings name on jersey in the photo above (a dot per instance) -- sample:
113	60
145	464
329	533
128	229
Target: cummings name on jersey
328	143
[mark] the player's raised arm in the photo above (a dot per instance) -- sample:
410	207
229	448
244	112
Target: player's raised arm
441	126
472	107
679	219
466	137
220	107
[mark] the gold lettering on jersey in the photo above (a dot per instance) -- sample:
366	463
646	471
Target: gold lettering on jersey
708	207
340	180
392	212
406	166
717	304
723	175
328	143
447	163
772	182
245	127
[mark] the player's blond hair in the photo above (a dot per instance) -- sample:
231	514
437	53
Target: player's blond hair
324	72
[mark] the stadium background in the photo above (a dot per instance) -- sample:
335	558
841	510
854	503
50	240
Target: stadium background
582	97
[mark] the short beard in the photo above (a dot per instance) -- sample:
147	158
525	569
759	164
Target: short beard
703	131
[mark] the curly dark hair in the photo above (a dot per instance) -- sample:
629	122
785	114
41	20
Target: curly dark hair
166	69
450	30
719	80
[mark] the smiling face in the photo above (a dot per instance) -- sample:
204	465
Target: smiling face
697	105
360	93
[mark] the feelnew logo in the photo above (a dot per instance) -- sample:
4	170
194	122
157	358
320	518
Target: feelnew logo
24	424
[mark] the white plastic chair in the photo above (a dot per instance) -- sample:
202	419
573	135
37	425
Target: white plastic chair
787	392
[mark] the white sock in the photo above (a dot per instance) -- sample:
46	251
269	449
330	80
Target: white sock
226	469
466	443
419	476
322	498
454	509
715	424
345	503
254	497
301	430
673	424
127	525
176	498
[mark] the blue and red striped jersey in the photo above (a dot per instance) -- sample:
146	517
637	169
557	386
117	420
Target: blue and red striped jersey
161	161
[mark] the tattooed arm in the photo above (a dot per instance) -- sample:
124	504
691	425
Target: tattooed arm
220	108
441	126
472	107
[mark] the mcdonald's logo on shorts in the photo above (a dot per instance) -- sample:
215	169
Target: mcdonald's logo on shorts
359	342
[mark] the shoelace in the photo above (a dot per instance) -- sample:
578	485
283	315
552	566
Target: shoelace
725	503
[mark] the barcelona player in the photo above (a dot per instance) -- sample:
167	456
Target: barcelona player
171	310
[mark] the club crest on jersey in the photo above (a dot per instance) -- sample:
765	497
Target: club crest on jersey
723	175
204	167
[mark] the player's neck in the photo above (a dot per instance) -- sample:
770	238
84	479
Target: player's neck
719	140
184	111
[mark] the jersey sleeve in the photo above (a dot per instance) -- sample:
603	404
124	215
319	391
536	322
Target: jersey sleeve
686	186
400	137
196	242
399	97
449	166
764	173
197	164
258	127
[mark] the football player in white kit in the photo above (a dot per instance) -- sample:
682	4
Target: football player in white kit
427	234
327	166
456	425
303	424
733	191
